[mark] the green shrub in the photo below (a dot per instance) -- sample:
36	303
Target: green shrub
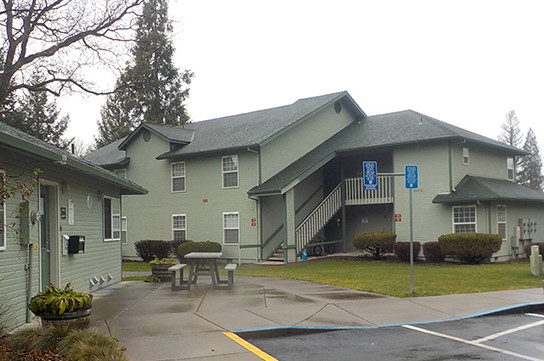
402	250
144	250
433	252
203	246
376	243
540	245
472	248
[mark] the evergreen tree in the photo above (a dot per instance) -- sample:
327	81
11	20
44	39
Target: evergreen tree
34	114
151	88
531	164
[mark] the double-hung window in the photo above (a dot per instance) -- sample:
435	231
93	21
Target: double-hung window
464	219
179	227
501	221
112	219
230	171
124	228
2	219
231	228
466	156
178	177
510	168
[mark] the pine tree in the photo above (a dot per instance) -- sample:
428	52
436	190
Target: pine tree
36	115
151	88
531	165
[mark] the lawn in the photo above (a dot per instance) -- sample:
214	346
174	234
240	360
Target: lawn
393	279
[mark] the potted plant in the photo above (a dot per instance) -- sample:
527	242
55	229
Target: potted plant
159	268
62	307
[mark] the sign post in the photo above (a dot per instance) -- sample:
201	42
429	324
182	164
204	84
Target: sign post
370	175
411	180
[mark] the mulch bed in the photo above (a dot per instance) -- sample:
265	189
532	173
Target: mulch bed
9	354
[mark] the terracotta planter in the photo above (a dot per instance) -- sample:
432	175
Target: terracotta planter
79	319
161	271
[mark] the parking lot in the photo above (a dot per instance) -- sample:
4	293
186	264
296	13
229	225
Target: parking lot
500	337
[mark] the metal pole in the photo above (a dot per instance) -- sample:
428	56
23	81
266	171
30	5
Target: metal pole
411	246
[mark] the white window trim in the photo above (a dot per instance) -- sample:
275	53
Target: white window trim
466	155
3	238
225	228
179	229
505	222
184	176
124	228
223	172
510	161
112	215
453	224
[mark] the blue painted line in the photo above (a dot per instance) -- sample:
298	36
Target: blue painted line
338	328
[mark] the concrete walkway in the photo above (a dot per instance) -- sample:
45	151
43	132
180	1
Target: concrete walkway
154	323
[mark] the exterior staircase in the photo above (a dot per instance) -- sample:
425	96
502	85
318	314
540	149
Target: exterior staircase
278	256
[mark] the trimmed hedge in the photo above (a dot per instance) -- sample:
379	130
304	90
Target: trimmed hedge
540	245
402	250
472	248
149	250
203	246
433	252
376	243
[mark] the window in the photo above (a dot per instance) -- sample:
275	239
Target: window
510	168
466	158
178	177
112	219
121	173
179	227
464	219
230	171
501	222
2	220
231	228
124	230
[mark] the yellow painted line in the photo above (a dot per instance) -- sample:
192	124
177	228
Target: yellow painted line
255	350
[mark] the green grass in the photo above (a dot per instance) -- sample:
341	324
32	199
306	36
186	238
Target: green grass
389	278
393	279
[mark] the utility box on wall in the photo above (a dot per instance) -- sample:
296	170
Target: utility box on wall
527	228
76	244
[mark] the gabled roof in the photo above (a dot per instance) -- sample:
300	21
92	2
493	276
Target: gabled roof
170	133
375	132
255	128
14	139
472	189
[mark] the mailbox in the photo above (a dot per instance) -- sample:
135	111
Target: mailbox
76	244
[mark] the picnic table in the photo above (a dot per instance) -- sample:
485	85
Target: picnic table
203	264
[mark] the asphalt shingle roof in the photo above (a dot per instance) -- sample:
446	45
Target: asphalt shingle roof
386	130
109	155
472	189
14	138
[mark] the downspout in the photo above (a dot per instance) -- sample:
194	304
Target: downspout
450	165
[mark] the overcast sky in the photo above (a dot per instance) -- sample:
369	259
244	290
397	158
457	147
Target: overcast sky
464	62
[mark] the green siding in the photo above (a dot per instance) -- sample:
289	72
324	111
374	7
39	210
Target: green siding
203	202
300	139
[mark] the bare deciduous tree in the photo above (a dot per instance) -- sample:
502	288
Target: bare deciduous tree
59	38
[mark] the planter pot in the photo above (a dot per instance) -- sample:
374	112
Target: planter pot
79	319
161	271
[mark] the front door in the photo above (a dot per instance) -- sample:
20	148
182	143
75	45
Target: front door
45	236
49	234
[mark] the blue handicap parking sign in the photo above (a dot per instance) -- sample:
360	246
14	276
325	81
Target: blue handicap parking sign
370	175
411	177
